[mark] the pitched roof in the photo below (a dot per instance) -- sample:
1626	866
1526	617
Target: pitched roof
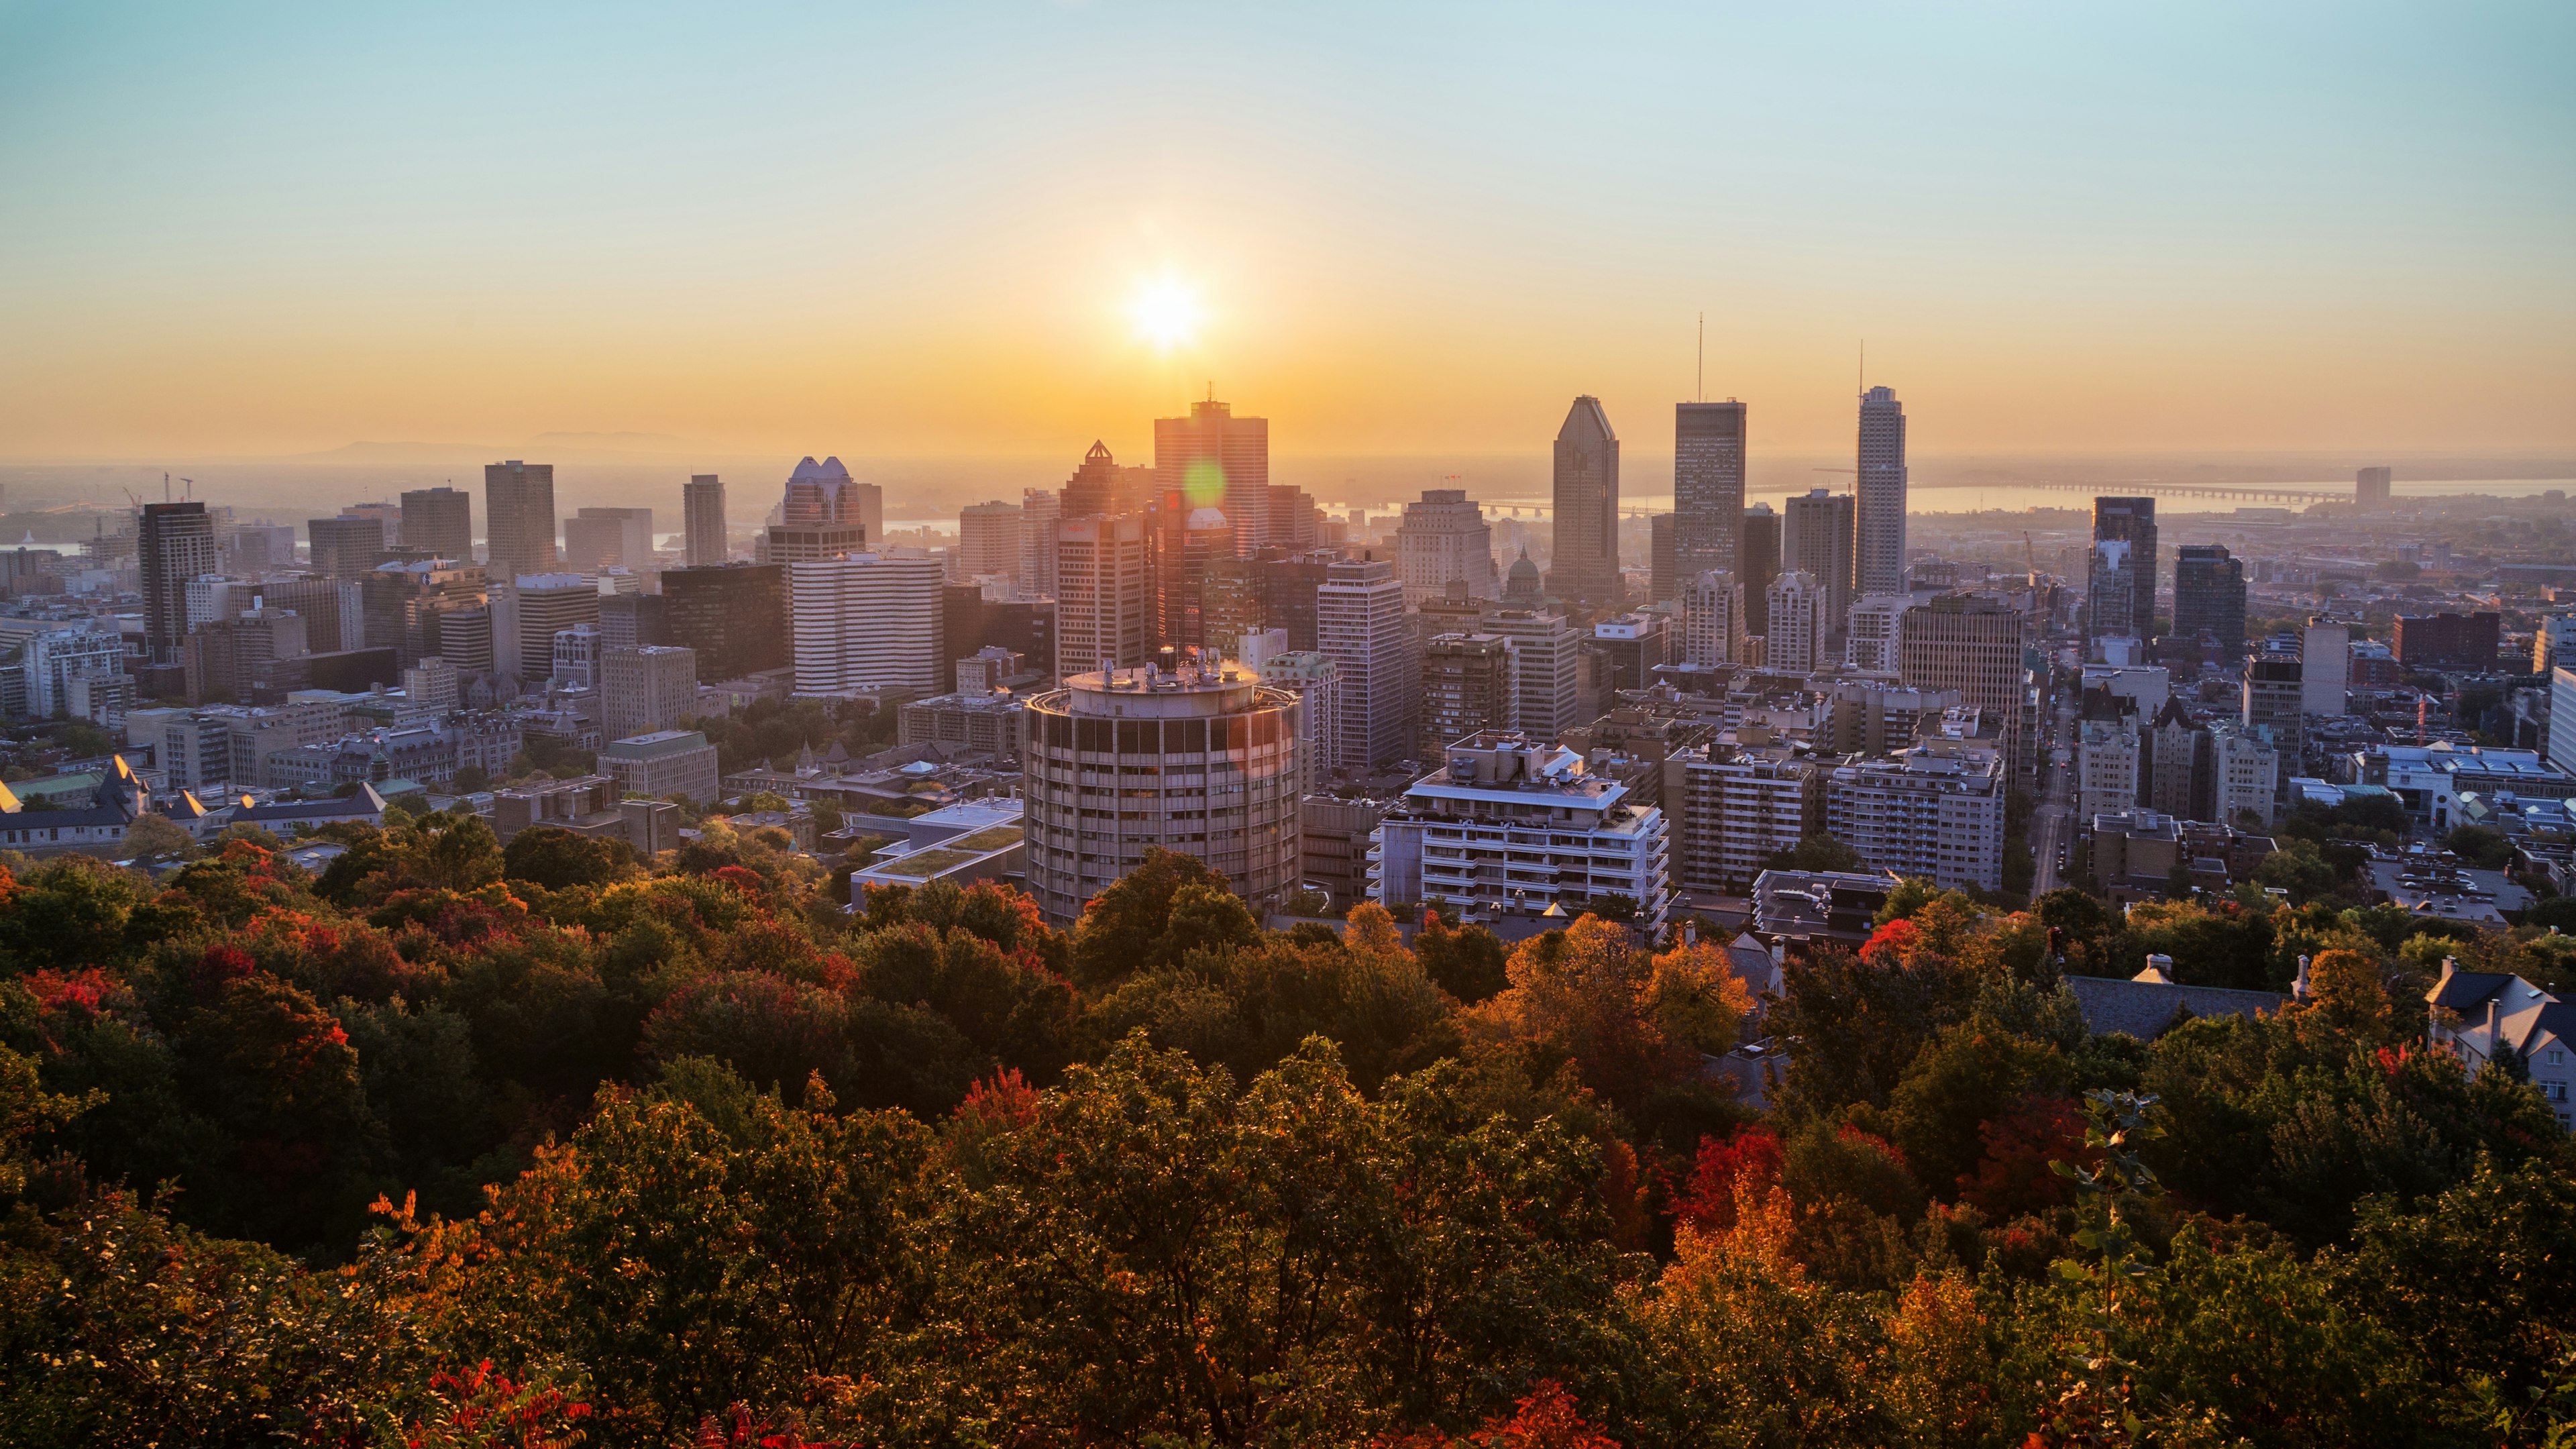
2145	1008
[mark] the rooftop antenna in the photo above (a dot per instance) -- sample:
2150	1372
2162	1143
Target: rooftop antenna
1864	364
1702	388
165	487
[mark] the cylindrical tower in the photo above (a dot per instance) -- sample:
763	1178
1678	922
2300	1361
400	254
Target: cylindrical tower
1203	762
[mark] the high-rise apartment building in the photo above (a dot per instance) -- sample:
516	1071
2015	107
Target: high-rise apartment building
988	539
347	546
1548	660
868	621
647	689
1360	626
2245	766
1796	643
440	520
1816	539
1876	626
1467	689
2110	759
1736	808
2325	666
1202	762
1040	510
600	538
1713	622
1213	459
1445	537
702	521
2120	584
1585	567
1510	825
1104	594
519	518
174	543
1708	486
1879	529
1934	811
1317	682
733	614
1758	545
2209	596
2370	489
2275	697
1970	644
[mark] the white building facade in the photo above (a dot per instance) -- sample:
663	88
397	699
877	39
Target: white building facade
1928	811
1511	825
867	621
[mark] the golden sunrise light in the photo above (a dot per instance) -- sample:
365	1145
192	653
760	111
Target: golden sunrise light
1166	312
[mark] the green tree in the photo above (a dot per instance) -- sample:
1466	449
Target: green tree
553	857
1121	927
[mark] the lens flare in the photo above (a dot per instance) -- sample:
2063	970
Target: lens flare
1166	312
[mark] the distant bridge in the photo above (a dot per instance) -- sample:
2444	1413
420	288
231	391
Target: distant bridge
2249	492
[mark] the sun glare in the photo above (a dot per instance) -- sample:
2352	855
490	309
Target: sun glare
1166	312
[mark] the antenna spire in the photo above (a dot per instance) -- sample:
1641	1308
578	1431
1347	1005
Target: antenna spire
1702	383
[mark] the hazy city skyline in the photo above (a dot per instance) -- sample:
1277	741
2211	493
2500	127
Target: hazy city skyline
2090	231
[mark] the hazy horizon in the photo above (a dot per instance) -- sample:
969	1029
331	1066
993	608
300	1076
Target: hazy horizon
1395	231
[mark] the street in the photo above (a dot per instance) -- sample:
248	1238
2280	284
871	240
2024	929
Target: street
2050	818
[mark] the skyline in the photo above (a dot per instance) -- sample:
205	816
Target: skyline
1400	234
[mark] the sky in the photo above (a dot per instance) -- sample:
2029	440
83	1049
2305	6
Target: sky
265	229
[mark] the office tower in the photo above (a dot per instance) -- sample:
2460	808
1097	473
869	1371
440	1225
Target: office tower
1466	689
1040	511
388	517
733	614
432	684
2275	691
824	515
633	621
2120	588
1585	567
1214	459
661	764
1970	644
548	604
261	546
413	608
1445	537
256	655
346	547
2209	596
868	621
1288	587
1934	811
1816	539
1758	543
440	520
1634	645
175	542
576	657
1708	487
2553	643
1295	522
1713	620
1462	836
1230	608
643	690
2108	767
1101	487
2370	490
519	518
702	521
1167	742
599	538
1878	556
1104	594
988	539
1206	544
1663	559
1360	626
1796	642
2325	666
334	610
1549	691
1876	625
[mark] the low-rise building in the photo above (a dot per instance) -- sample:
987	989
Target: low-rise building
1818	905
2488	1016
1509	824
1333	842
2134	854
993	723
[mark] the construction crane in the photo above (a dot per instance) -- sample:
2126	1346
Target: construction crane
2030	555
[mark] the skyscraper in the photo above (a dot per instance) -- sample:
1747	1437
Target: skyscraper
1213	459
2209	596
866	620
1713	619
2370	489
346	547
519	518
1104	597
1467	688
2120	583
646	689
440	520
1879	535
1360	626
824	514
1970	644
1817	540
1663	558
1796	643
1759	546
1586	564
1206	543
175	542
1445	537
702	520
1100	486
1708	486
598	538
1040	510
988	539
733	614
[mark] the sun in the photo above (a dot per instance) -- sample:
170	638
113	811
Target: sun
1166	312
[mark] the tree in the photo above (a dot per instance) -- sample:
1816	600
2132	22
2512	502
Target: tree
1816	852
157	837
1120	927
2482	846
553	857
